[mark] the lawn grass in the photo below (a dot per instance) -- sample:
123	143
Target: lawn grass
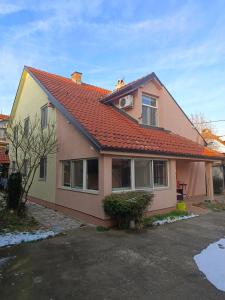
102	228
11	222
148	221
214	206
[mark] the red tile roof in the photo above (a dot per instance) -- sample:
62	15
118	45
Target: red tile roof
4	117
111	129
4	158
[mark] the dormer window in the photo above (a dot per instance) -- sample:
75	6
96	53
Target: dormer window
149	111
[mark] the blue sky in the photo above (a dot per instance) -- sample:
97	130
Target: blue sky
183	42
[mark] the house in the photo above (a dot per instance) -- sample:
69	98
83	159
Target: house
134	138
3	125
216	143
4	158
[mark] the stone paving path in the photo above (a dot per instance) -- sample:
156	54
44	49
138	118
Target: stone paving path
52	219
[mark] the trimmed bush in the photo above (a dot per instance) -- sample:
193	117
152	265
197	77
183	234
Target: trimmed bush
125	207
14	191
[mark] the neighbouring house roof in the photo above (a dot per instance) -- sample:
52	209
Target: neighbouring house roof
4	158
214	141
4	117
106	127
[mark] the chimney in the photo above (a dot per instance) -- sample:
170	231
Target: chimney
76	77
120	83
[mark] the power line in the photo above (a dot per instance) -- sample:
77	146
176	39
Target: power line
206	122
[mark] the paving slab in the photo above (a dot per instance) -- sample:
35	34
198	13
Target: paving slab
86	264
51	219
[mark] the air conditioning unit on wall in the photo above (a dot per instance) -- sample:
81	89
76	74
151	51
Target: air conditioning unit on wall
126	102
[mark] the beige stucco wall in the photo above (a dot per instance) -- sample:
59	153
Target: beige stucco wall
30	99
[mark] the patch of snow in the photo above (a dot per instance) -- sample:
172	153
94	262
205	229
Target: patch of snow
211	262
15	238
174	219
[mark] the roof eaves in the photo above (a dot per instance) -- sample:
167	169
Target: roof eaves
66	113
163	153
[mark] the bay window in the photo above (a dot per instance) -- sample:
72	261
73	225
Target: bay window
80	174
77	181
121	171
149	111
139	174
143	173
160	173
92	174
66	173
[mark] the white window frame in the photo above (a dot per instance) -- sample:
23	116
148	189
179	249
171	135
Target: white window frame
155	107
85	177
168	168
26	166
62	177
132	174
26	126
132	182
46	119
45	168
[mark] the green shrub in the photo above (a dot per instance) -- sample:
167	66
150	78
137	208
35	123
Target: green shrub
124	207
14	190
148	221
218	185
102	228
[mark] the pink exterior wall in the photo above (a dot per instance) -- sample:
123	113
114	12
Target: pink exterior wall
72	145
170	116
193	174
166	197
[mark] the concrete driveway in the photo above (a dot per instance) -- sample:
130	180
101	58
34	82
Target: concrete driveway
86	264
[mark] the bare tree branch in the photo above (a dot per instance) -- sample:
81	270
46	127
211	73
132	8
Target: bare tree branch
27	147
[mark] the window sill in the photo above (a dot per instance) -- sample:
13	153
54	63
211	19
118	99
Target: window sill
42	179
162	188
78	190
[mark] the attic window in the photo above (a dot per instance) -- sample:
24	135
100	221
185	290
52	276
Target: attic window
149	111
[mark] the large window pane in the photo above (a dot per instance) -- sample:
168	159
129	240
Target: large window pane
152	116
121	174
146	100
160	173
144	115
43	168
149	111
143	174
26	127
92	174
66	173
44	116
77	174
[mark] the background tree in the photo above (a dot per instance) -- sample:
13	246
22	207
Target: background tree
28	144
202	123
